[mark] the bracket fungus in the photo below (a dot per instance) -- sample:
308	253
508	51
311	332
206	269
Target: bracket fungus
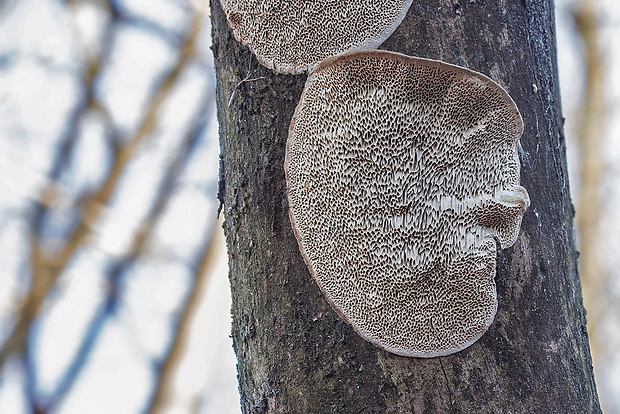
293	36
402	175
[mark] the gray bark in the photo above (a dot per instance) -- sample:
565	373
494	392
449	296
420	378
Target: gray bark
295	355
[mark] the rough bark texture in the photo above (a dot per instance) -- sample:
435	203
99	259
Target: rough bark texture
295	354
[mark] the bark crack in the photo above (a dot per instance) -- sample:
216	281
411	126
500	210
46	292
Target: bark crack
447	385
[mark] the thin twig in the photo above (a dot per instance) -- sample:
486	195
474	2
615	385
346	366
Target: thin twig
247	79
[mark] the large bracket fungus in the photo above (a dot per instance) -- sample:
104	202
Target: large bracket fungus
402	175
293	36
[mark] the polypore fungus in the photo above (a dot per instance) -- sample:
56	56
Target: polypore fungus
293	36
402	173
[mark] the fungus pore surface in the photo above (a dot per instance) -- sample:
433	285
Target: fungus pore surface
293	36
402	175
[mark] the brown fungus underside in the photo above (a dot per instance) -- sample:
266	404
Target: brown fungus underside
293	36
402	173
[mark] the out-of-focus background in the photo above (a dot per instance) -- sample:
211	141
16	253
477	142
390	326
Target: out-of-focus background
113	280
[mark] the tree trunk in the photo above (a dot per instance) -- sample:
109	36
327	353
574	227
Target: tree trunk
295	354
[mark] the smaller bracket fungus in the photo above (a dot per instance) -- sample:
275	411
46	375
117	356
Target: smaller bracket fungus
293	36
402	176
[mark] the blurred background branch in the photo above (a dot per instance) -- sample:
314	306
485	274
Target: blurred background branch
590	134
163	390
73	215
47	268
595	30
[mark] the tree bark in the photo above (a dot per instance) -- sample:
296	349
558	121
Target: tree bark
295	355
